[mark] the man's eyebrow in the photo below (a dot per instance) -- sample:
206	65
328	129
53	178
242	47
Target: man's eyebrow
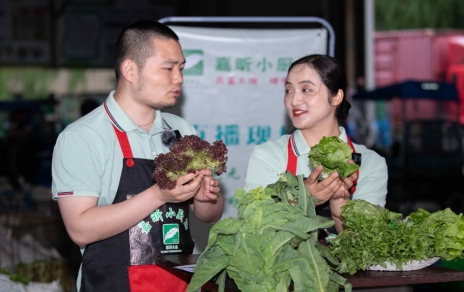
174	62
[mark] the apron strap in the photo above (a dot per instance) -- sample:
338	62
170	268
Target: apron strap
125	146
123	142
122	138
120	134
292	160
355	183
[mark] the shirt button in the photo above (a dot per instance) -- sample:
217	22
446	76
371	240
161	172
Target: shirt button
154	153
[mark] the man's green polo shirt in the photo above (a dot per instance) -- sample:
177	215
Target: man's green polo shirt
87	158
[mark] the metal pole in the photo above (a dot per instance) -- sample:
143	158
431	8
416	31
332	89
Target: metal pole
369	69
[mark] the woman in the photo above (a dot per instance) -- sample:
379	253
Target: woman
316	104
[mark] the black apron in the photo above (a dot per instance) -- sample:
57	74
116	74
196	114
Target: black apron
165	231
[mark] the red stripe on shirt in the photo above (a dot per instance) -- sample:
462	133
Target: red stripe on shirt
65	193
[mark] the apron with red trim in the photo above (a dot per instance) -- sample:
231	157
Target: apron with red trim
324	209
126	262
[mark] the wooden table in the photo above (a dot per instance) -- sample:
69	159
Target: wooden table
431	274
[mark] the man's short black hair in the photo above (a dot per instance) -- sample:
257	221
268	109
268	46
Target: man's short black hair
135	42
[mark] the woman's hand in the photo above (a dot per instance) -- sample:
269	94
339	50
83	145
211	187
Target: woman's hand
335	207
343	191
325	189
330	188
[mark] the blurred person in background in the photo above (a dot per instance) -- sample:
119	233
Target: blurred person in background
315	103
103	164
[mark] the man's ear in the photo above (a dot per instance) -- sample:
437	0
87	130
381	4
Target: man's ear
129	70
338	98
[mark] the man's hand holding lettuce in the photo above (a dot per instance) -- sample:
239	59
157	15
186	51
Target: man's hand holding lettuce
334	155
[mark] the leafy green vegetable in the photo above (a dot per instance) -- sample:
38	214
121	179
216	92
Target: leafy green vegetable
189	154
20	279
333	154
445	228
271	244
374	235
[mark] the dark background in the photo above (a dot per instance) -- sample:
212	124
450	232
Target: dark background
81	33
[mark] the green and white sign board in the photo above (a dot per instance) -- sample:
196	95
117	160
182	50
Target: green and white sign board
234	88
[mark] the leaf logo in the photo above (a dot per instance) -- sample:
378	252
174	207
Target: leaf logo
194	62
171	233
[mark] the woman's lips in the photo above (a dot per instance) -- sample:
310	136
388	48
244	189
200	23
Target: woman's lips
297	113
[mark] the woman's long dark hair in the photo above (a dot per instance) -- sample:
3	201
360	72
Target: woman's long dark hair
333	78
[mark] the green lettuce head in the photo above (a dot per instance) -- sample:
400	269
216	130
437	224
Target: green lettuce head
333	154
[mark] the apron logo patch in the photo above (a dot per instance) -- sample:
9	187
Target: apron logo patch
171	233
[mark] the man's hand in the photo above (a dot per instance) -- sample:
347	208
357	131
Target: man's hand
187	186
209	190
208	204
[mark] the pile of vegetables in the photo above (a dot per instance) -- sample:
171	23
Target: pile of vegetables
374	235
38	276
271	244
333	154
188	155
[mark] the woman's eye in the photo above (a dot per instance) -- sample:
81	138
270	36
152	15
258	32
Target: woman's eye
308	90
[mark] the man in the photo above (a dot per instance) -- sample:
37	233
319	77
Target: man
122	218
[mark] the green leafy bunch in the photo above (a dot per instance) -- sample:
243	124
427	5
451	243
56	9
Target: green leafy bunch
446	230
271	245
333	154
374	235
15	277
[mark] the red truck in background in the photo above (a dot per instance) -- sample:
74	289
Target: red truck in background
426	157
419	55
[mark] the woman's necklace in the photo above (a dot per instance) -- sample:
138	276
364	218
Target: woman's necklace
147	123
